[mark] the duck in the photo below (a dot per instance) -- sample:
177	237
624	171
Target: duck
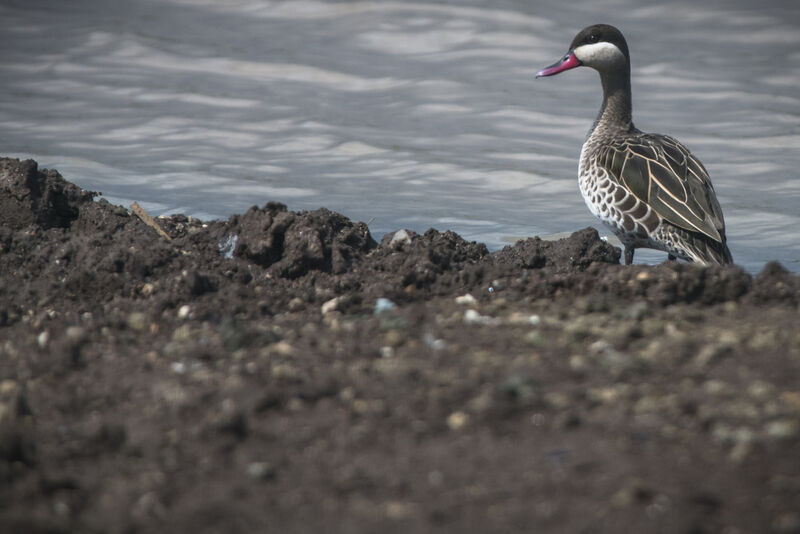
648	188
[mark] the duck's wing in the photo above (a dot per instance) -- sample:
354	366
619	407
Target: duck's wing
662	172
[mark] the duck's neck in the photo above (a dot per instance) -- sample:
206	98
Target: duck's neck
615	115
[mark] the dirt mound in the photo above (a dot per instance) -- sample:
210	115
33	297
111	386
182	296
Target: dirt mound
290	244
573	254
283	371
28	196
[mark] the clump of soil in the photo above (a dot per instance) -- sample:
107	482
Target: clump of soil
291	245
283	371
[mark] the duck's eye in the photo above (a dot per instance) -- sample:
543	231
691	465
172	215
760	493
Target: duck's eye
592	38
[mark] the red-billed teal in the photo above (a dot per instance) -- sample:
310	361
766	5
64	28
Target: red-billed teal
648	188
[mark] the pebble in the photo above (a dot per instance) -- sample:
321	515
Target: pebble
457	420
330	305
473	317
726	434
137	321
400	237
716	387
43	338
524	319
763	340
712	353
760	389
607	395
577	363
285	371
466	299
8	388
557	399
434	342
282	348
295	404
61	508
782	429
147	289
601	346
610	358
536	338
296	304
395	338
261	471
400	510
76	333
383	305
637	310
184	311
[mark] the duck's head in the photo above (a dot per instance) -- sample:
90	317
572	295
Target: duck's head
600	46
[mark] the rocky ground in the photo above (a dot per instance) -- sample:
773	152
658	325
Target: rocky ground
283	372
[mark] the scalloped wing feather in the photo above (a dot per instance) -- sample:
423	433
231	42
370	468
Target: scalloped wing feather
662	172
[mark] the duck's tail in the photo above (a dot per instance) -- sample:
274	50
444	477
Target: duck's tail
702	249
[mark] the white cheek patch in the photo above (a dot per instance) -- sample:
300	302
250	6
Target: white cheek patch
600	55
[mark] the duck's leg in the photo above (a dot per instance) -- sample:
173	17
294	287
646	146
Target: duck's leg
628	254
670	257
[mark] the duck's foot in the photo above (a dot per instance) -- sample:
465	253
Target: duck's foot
628	255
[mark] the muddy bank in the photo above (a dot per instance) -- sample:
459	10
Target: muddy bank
285	372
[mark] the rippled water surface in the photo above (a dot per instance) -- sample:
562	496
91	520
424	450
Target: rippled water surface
406	114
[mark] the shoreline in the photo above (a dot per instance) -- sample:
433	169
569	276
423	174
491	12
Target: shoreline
283	370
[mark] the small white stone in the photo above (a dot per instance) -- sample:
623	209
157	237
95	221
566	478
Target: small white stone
537	419
457	420
43	338
183	311
329	306
466	299
400	237
472	316
782	429
75	333
61	508
434	342
261	470
178	367
383	305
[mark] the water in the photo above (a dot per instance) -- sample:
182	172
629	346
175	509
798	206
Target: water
406	114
